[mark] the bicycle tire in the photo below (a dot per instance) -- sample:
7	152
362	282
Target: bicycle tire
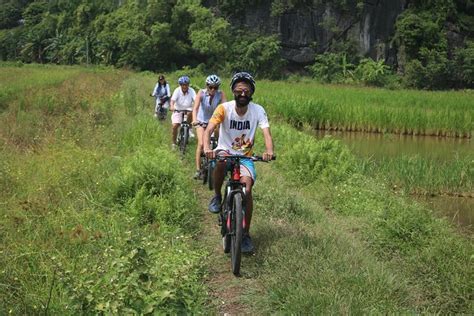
237	233
162	115
210	180
224	233
184	140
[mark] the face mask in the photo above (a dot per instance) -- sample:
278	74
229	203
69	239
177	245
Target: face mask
242	101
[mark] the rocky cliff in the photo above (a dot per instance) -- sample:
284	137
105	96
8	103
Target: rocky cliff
308	29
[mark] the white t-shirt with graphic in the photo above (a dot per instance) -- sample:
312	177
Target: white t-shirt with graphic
237	133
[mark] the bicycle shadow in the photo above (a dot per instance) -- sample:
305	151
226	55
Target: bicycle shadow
272	239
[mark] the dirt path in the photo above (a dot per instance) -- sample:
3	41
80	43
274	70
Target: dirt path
225	290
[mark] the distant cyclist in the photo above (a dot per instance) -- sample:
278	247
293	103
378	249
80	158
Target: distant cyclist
162	94
181	100
238	121
206	102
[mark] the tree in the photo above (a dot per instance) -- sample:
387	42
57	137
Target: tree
9	16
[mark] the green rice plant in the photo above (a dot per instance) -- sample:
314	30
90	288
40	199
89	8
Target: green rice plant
415	174
368	109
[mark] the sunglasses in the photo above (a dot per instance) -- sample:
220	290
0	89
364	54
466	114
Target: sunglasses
245	92
213	87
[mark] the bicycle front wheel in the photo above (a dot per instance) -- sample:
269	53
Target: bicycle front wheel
184	140
237	232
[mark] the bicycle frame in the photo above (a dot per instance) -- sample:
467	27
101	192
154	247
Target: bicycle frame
183	132
233	187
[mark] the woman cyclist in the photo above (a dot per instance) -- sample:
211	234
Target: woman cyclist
162	94
205	103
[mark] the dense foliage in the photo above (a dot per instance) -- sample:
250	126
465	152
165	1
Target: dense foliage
434	39
147	34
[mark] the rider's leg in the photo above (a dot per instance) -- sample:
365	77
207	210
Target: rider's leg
248	182
175	133
219	174
200	134
176	120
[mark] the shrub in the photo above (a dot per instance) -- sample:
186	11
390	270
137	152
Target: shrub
332	67
153	174
433	71
311	161
373	73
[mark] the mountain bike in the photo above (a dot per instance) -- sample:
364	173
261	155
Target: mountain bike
183	132
232	216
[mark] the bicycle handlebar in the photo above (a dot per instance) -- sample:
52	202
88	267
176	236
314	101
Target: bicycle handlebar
182	111
253	158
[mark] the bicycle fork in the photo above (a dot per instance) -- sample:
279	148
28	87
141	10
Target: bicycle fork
229	199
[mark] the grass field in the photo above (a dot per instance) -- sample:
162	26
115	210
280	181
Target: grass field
94	216
98	215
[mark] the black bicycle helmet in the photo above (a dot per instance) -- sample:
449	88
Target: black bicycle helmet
242	76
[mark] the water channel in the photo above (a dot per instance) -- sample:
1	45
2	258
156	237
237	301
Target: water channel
458	210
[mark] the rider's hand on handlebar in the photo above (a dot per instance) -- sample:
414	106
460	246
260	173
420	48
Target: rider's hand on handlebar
210	154
195	123
267	156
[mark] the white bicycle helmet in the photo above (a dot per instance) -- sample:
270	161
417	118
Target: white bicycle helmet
213	80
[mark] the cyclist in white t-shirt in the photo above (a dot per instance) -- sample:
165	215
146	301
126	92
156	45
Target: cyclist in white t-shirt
181	100
238	120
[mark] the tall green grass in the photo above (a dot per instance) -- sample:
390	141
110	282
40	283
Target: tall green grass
18	80
95	216
369	109
424	176
413	260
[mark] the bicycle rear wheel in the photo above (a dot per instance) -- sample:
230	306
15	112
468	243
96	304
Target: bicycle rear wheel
204	165
208	175
237	232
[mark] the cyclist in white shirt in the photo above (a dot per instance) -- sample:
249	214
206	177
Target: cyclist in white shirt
181	100
238	120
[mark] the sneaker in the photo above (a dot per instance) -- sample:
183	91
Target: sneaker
173	146
156	115
197	175
191	134
215	204
247	246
